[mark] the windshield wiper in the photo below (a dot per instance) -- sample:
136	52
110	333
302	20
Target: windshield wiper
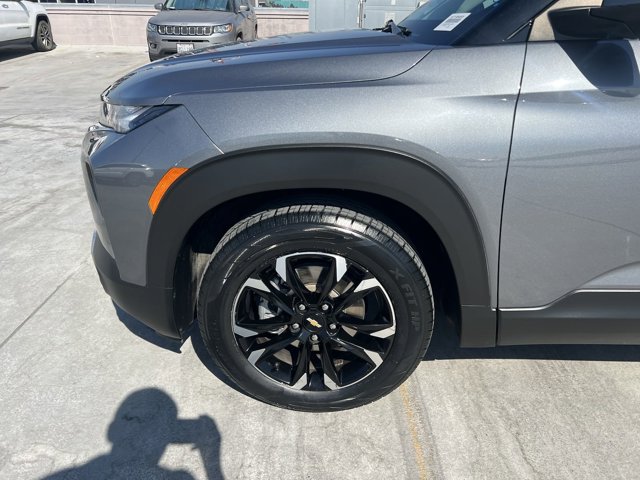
391	27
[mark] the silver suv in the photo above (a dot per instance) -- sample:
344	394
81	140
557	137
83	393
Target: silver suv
186	25
318	201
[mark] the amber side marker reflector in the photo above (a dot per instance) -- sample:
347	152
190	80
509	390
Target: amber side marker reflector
163	185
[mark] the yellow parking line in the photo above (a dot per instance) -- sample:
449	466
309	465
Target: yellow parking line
414	429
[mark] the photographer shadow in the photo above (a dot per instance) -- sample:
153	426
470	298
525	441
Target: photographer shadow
145	424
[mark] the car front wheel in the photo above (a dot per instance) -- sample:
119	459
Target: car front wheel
315	307
43	41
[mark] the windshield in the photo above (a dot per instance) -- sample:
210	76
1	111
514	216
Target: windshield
455	22
218	5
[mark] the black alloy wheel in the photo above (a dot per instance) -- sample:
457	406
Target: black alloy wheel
315	307
314	321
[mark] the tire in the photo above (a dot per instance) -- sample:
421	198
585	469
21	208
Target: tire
374	332
43	40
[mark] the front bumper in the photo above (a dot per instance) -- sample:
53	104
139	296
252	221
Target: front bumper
163	45
153	306
120	206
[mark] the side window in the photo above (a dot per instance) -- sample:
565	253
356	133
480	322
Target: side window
541	31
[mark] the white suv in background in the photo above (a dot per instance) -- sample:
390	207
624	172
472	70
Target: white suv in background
25	22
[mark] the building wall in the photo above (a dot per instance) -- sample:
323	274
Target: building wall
126	25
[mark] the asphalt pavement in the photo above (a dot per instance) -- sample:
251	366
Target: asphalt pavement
84	394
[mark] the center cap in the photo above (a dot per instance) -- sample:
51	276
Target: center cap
312	324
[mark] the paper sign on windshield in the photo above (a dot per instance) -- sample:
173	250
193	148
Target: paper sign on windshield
451	22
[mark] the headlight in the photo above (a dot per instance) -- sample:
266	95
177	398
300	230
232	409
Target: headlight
223	28
123	118
151	27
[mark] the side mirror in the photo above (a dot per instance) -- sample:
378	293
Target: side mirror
243	8
615	22
159	6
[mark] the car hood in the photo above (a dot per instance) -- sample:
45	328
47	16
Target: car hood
192	17
291	60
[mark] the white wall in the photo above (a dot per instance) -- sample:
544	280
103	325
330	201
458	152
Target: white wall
126	25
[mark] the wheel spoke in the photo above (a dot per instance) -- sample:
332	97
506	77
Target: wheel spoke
385	333
364	341
379	329
331	378
331	276
326	281
294	281
361	290
259	351
300	372
266	290
333	269
369	356
244	332
262	325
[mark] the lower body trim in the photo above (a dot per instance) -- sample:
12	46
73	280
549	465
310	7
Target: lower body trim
584	317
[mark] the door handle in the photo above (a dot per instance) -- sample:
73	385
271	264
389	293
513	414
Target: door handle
4	5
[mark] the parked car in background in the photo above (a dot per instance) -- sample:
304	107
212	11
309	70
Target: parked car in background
186	25
25	22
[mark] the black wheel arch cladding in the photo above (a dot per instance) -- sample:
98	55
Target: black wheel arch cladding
400	177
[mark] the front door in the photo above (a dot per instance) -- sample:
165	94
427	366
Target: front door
14	21
571	223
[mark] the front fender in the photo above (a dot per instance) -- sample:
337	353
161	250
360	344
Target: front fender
400	177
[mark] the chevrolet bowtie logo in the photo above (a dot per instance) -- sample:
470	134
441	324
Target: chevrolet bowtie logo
314	323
